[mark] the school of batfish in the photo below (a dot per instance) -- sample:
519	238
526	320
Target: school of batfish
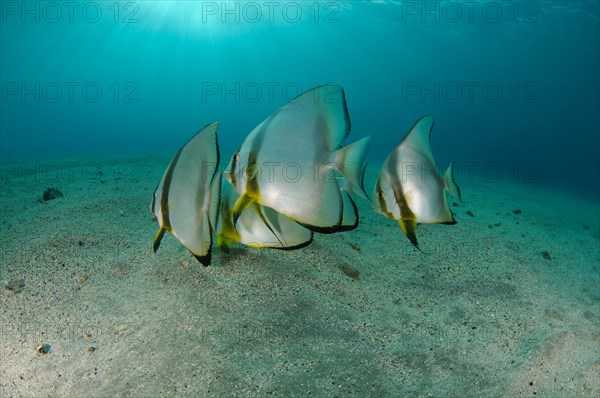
291	177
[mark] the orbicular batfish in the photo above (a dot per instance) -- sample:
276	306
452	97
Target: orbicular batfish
289	162
409	188
187	199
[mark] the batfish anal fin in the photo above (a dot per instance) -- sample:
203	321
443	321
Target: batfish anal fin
223	243
204	260
408	228
227	234
158	237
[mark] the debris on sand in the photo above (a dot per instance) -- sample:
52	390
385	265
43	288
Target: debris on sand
546	255
16	285
355	246
349	271
44	348
51	194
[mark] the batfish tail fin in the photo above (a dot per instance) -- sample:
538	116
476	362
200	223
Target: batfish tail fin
350	162
449	183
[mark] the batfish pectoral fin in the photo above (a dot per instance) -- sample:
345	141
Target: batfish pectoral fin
158	237
240	205
408	228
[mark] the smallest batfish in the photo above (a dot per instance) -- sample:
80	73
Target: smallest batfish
409	188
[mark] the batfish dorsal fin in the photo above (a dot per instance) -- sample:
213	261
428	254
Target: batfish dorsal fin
418	138
329	100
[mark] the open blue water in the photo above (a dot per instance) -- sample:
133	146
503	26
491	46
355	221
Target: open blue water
513	86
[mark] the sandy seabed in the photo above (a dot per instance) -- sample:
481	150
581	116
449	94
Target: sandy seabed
362	313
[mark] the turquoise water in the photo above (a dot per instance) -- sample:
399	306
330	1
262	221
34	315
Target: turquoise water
97	97
513	86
